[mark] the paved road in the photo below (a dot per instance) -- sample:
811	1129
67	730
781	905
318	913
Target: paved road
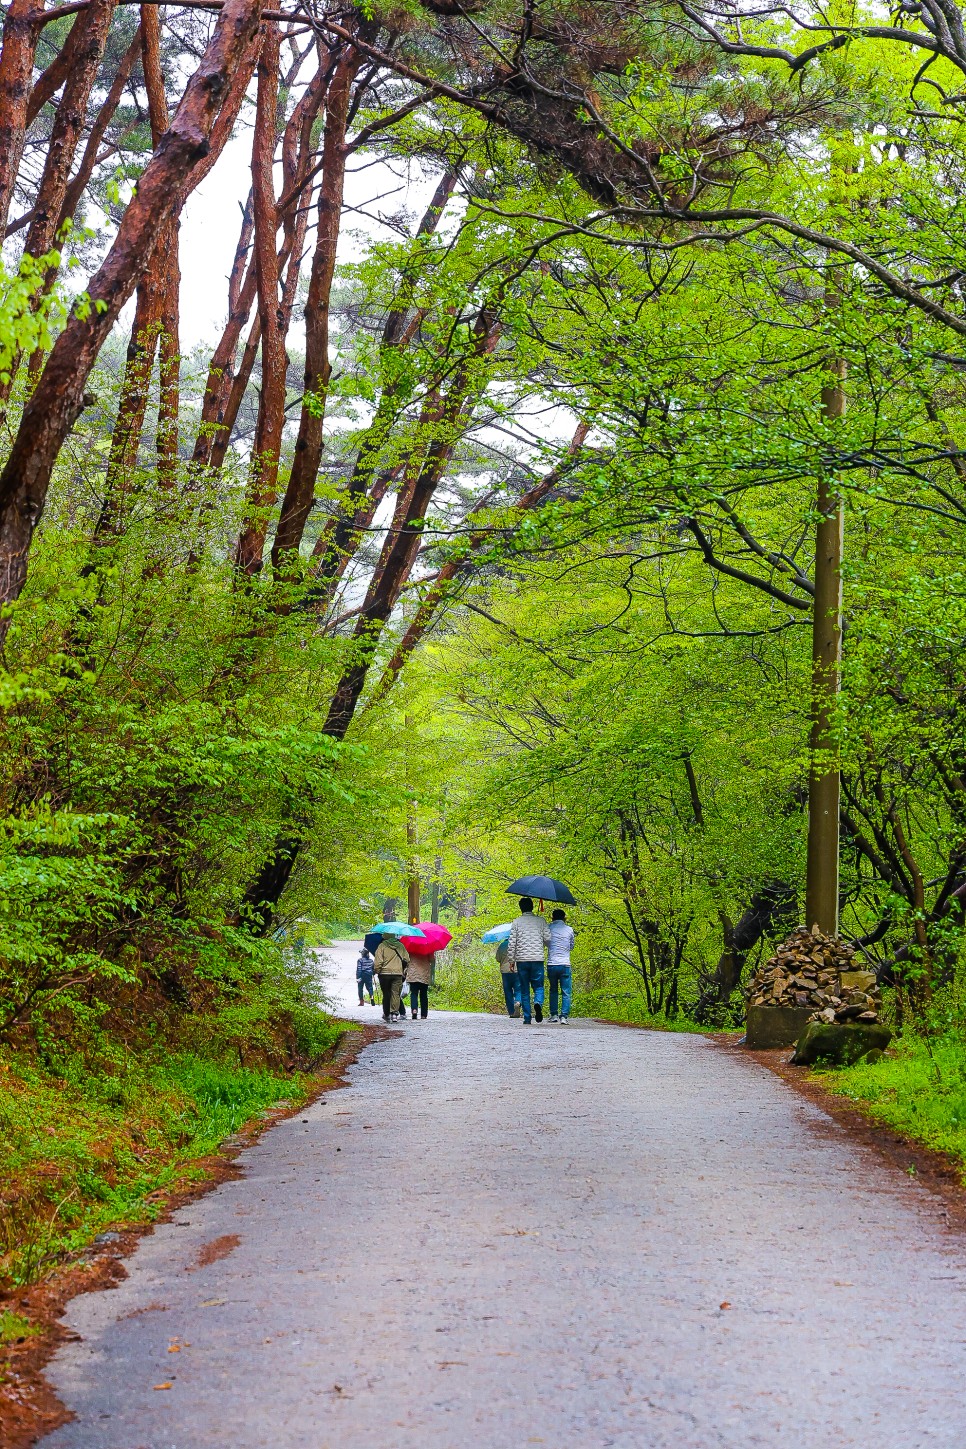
501	1236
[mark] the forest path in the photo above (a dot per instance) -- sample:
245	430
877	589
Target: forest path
499	1236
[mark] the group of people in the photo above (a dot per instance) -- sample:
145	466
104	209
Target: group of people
532	938
395	967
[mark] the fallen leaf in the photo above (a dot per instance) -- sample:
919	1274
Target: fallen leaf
174	1348
164	1386
726	1304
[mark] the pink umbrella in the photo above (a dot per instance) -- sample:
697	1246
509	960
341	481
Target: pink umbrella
434	938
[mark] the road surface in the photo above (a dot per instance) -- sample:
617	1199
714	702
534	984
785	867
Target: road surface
500	1236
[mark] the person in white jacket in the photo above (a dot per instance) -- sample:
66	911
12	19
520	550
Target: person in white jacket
529	938
559	971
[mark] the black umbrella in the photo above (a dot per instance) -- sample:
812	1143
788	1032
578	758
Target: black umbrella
542	888
373	941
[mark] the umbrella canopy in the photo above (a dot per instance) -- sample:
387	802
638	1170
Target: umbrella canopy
427	937
395	928
498	933
371	941
541	888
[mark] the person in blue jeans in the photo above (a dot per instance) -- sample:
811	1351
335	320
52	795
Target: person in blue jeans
559	971
529	936
511	981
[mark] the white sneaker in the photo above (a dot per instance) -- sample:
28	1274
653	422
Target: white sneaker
564	1020
555	1018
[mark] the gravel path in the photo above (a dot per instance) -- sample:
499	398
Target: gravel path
500	1236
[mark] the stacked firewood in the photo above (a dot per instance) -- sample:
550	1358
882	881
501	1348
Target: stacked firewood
817	971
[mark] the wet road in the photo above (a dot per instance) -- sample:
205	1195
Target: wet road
500	1236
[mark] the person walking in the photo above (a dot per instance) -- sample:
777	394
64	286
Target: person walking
529	937
391	961
559	972
364	969
511	980
419	976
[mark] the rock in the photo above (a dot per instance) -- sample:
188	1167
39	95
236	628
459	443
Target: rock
841	1043
857	981
775	1026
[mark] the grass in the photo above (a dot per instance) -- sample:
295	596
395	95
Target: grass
14	1328
919	1088
86	1147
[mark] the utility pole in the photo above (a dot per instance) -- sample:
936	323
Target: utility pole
822	874
414	890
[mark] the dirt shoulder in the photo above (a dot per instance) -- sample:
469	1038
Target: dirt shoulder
940	1173
28	1405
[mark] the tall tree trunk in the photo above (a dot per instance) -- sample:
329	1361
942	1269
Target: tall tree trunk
201	125
271	407
21	29
242	288
308	445
402	545
87	40
822	882
166	263
98	131
49	83
340	538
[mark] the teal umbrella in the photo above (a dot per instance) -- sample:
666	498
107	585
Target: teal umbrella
498	933
395	928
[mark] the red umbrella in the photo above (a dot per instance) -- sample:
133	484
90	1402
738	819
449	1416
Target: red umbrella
434	938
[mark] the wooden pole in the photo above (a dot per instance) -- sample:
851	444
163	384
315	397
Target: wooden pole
822	874
414	885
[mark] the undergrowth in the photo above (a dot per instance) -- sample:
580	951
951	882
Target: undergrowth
105	1106
87	1149
919	1088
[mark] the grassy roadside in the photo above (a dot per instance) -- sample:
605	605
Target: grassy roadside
919	1089
87	1145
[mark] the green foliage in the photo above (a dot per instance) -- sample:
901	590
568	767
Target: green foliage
96	1131
14	1328
29	311
918	1088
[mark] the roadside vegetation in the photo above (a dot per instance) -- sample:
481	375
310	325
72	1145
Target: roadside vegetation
478	542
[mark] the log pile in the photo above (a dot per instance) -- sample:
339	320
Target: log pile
817	971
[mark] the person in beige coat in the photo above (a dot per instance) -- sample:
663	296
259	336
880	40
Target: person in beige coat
420	976
391	961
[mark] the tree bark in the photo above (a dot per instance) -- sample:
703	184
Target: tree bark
402	545
98	130
341	535
182	158
166	263
300	492
21	29
271	406
822	874
87	41
48	84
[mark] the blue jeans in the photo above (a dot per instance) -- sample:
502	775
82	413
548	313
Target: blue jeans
530	974
511	991
562	977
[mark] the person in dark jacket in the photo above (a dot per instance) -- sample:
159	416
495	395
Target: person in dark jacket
364	978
